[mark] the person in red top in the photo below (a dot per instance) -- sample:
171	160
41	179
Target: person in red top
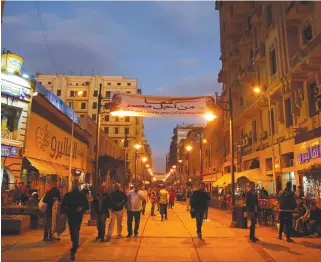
153	200
171	198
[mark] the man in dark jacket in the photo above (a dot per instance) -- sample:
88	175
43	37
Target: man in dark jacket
101	205
199	201
49	198
74	204
118	201
253	208
287	202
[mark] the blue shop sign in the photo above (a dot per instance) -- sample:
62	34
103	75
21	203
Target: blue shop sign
7	151
12	90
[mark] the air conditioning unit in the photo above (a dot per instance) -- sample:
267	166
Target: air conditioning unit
263	135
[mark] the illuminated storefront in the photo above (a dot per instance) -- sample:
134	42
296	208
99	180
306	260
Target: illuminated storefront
48	147
16	94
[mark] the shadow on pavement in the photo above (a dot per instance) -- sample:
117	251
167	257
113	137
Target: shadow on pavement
310	245
277	247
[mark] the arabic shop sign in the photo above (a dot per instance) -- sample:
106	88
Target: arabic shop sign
48	142
7	151
138	105
312	153
13	90
11	63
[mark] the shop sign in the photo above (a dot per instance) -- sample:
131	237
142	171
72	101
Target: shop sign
11	63
7	151
13	90
48	142
312	153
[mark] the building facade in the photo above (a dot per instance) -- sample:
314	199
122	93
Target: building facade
66	87
16	96
273	48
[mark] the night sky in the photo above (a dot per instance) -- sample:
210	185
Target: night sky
172	48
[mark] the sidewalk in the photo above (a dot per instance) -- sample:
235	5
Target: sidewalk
172	240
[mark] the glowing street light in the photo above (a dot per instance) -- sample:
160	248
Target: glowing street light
257	89
147	165
188	148
180	161
204	141
144	159
209	116
137	146
174	166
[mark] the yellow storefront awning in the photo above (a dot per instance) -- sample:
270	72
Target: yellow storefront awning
42	166
60	169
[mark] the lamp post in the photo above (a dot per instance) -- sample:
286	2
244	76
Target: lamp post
79	93
137	146
188	149
258	90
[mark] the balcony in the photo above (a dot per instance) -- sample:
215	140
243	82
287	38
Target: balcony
259	54
297	10
221	77
246	38
246	74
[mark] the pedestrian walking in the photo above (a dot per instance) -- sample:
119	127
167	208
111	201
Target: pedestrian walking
287	202
135	198
16	195
101	205
171	198
118	202
49	199
74	204
153	200
157	196
163	201
145	201
253	208
188	198
199	201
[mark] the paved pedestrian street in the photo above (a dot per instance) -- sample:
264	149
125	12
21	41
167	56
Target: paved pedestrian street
172	240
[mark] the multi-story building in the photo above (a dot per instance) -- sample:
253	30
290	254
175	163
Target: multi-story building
274	48
66	87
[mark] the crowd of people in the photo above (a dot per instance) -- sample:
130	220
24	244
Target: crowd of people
111	205
295	213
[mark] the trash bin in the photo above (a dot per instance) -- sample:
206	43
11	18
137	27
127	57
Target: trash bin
241	220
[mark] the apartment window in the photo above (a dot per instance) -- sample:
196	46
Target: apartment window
307	33
312	99
273	62
94	105
251	54
126	130
249	23
116	130
118	84
116	142
72	93
58	92
128	92
128	84
93	117
96	93
126	118
106	130
76	84
288	113
71	104
109	83
84	93
49	83
241	101
254	134
255	38
269	15
106	118
83	105
108	94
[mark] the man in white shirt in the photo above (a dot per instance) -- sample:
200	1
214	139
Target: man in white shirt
145	201
135	198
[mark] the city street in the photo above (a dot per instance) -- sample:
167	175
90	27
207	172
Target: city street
172	240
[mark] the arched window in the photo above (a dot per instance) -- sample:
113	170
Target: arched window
307	33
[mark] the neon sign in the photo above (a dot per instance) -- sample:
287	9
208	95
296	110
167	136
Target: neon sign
7	151
312	153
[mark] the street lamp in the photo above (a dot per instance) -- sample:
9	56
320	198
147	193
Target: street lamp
79	93
258	90
209	116
137	146
144	159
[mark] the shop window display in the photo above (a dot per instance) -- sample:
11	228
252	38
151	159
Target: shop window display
9	123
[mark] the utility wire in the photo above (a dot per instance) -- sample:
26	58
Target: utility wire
45	36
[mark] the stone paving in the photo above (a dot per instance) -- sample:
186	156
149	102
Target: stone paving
172	240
